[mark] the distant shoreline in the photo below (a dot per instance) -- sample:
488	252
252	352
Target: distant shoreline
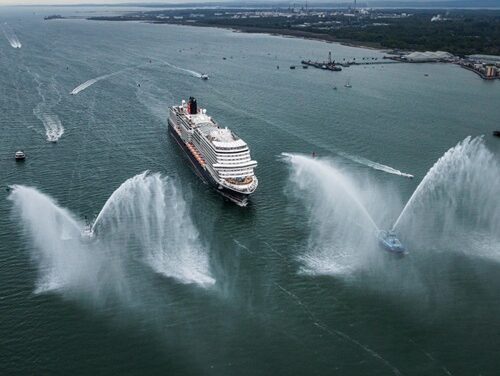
292	34
257	30
296	34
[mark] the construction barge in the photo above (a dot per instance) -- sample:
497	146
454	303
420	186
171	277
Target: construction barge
326	65
335	66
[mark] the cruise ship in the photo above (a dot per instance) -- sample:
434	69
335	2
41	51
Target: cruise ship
218	156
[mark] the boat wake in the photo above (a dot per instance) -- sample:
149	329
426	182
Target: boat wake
453	209
189	71
92	81
43	110
341	211
374	165
87	84
53	126
360	160
11	36
143	226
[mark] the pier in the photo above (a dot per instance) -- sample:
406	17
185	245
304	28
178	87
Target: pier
326	65
335	66
373	62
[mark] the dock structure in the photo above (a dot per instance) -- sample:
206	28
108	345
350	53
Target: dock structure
326	65
335	66
377	62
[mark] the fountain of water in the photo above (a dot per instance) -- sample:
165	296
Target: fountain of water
455	206
150	210
328	171
144	222
457	200
343	232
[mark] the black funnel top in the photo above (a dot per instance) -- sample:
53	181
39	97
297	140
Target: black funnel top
192	106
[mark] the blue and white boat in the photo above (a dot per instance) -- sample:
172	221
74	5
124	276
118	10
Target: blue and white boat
389	241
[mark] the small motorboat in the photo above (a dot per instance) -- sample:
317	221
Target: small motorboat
204	76
389	241
87	234
348	84
305	67
292	66
496	133
335	88
20	155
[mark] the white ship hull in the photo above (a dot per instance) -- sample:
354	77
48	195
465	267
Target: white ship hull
237	189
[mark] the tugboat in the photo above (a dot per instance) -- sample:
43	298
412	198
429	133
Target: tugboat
390	243
20	155
204	76
87	233
496	133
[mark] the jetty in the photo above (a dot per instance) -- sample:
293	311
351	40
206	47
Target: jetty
335	66
326	65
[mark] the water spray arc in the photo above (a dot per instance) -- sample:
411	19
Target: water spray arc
469	163
343	183
456	204
457	199
337	183
145	224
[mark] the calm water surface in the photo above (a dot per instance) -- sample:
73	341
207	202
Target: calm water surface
433	312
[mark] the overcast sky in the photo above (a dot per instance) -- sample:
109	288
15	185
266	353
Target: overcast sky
25	2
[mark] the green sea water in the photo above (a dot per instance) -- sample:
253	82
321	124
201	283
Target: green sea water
274	307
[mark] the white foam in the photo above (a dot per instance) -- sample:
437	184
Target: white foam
87	84
189	71
154	209
459	196
53	125
339	207
146	220
374	165
92	81
43	110
11	36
